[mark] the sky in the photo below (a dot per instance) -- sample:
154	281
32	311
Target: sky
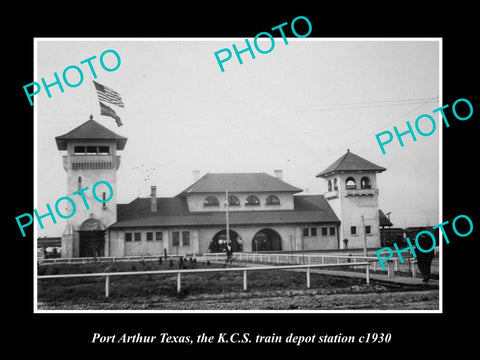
298	109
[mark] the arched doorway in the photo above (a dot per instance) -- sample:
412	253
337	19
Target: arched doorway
91	238
219	242
267	240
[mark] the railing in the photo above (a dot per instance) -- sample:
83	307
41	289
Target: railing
89	260
190	271
393	265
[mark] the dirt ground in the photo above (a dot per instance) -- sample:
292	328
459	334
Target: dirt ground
267	300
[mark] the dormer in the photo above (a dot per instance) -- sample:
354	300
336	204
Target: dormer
246	192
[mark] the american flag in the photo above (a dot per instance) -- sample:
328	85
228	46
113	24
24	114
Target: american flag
108	95
108	111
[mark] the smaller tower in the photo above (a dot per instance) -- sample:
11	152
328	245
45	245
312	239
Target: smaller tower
352	193
91	156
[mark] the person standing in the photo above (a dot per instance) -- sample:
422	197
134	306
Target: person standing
424	259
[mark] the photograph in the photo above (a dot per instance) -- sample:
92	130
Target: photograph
274	174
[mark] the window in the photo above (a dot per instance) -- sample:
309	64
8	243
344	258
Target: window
350	183
305	231
149	236
91	150
313	232
353	230
79	182
272	200
329	185
185	238
128	236
332	230
252	200
365	183
233	200
79	149
175	238
324	231
137	236
210	201
158	236
368	229
103	150
335	184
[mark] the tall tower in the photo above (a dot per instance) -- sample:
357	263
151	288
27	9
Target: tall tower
91	157
352	193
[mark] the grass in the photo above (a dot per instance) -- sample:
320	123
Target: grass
52	290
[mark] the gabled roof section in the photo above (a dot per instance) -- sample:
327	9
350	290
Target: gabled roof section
383	220
239	182
350	162
90	130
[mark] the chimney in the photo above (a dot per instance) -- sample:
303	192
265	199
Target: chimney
153	201
196	175
279	174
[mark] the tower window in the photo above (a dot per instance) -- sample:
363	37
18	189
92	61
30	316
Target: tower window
103	150
185	238
350	184
91	150
175	238
329	185
79	149
335	184
365	183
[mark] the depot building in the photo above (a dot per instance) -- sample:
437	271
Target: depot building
264	212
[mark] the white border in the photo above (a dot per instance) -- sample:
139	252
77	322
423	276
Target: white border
286	312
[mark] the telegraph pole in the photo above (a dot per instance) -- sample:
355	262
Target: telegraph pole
226	216
364	237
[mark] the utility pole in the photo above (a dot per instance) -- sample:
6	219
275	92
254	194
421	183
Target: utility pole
226	216
364	237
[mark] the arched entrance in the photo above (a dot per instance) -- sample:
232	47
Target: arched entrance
267	240
92	238
219	242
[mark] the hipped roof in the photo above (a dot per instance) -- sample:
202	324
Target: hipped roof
239	182
90	130
350	162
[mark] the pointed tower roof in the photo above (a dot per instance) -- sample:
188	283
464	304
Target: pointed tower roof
350	162
90	130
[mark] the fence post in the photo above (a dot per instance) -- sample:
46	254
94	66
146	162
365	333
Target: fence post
414	274
244	280
368	273
107	286
179	281
308	277
374	266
